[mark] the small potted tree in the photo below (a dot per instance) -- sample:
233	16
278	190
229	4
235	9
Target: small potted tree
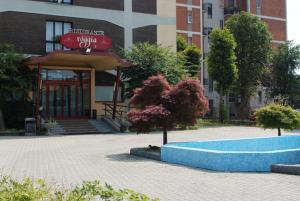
276	116
158	105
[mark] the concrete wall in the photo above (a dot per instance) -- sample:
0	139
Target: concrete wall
127	14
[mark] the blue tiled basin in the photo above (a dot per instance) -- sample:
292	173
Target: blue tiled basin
242	155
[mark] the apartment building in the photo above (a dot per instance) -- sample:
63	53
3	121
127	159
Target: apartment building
273	12
189	20
215	13
74	82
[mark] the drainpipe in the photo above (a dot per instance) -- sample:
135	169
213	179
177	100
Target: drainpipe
202	47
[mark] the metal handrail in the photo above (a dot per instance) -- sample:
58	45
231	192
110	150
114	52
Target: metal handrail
108	110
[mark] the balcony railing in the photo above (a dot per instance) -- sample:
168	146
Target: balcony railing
231	10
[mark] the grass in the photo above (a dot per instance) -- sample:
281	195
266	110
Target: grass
208	123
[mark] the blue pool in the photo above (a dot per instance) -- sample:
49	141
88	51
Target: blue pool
242	155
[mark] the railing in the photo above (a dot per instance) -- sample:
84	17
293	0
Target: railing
231	10
121	110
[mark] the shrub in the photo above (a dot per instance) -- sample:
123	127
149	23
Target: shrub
278	116
28	190
15	112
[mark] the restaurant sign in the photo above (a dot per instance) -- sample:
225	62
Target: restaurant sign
85	39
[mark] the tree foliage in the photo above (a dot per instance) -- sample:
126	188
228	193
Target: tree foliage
284	81
15	78
150	59
181	43
252	52
221	62
191	54
278	116
162	106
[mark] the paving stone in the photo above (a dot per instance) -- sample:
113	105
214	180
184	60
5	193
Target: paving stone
69	160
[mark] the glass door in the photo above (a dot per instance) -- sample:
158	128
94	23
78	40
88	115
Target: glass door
66	94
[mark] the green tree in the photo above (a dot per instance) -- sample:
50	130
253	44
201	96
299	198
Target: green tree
192	56
15	78
279	117
181	43
150	59
253	49
221	63
284	78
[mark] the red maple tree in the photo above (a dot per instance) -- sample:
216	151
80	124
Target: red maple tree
158	105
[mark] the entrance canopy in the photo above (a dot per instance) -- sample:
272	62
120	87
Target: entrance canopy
76	58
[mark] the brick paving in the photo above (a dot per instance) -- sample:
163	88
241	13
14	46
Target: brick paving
68	160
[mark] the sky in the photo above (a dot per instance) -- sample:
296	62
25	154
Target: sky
293	15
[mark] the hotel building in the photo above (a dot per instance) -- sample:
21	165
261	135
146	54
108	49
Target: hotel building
75	83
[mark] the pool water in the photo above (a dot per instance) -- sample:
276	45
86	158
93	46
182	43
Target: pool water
242	155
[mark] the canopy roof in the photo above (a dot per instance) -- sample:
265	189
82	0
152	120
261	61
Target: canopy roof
76	58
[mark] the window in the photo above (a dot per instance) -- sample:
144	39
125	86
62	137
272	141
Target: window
230	3
61	1
190	17
221	24
207	31
211	107
53	31
258	7
190	40
205	81
106	93
211	85
260	97
258	3
209	10
231	98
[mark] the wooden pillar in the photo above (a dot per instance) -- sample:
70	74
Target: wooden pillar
93	90
116	92
38	96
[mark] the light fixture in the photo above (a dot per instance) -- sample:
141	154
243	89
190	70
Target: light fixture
88	50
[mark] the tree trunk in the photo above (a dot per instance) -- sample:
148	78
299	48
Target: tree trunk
2	125
243	109
279	132
165	136
221	111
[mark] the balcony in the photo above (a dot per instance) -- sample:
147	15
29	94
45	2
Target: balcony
231	10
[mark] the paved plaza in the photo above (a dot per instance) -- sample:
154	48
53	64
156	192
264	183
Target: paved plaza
69	160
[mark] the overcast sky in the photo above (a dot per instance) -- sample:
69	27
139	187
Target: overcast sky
293	15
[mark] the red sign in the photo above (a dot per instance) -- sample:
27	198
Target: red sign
84	41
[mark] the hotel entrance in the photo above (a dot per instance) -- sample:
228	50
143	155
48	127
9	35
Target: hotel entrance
66	83
66	94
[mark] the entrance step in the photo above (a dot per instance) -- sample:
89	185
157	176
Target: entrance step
84	126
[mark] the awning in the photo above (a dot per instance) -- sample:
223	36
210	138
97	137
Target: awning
76	58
